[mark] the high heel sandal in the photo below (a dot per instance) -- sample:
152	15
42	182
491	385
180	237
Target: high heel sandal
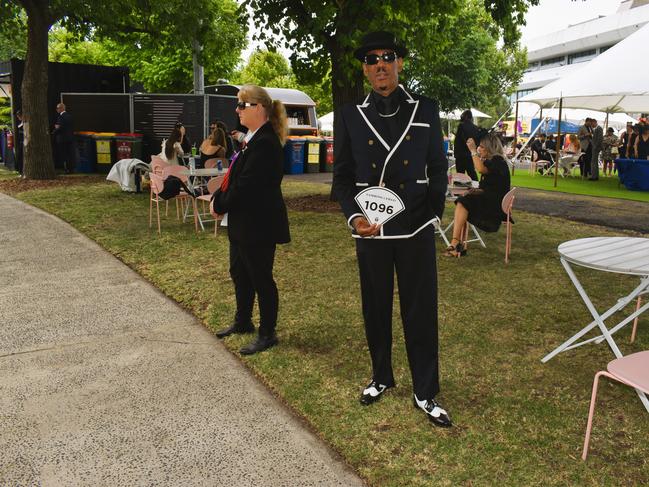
457	250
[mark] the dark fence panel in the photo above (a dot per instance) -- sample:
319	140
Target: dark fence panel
222	108
155	116
99	112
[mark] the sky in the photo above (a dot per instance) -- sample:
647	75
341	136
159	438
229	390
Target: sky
548	16
554	15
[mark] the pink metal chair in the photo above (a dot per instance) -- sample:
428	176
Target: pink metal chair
157	184
157	167
630	370
507	205
181	173
212	185
211	163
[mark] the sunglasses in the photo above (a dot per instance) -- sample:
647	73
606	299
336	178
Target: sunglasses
243	104
387	57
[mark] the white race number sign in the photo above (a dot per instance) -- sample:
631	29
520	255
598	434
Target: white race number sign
379	205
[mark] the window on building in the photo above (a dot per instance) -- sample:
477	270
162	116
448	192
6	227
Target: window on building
581	56
605	48
532	66
559	60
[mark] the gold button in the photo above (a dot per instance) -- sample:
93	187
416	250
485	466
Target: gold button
405	162
401	186
407	137
373	166
371	142
383	185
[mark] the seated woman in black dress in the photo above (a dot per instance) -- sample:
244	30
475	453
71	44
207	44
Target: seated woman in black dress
213	147
482	207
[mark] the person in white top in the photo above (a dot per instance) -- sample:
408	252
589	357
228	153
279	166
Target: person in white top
171	148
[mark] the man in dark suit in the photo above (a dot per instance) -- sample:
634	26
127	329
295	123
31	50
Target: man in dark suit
585	135
64	139
598	138
393	139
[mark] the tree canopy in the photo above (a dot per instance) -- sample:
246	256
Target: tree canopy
271	69
151	28
459	63
322	32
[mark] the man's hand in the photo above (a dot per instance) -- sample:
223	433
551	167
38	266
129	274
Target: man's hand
363	227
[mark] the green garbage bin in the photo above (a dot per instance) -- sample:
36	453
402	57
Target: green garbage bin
128	146
105	143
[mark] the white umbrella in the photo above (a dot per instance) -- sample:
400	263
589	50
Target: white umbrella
455	114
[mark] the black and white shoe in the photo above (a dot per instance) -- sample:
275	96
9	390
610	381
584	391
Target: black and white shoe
372	392
435	413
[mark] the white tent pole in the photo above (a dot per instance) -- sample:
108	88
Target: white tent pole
515	129
557	155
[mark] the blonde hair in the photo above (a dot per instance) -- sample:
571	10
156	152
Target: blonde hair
275	110
493	146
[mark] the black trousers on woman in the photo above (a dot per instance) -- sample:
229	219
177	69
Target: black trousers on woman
251	269
413	259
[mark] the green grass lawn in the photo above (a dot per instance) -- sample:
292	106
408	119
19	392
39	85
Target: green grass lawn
608	187
518	421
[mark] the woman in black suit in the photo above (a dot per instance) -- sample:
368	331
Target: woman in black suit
251	195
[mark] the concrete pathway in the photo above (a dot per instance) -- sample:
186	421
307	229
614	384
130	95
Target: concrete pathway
106	382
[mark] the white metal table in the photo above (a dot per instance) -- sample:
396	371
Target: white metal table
193	174
619	255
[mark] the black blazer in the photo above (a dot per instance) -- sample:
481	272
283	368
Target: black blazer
465	131
253	200
65	132
415	167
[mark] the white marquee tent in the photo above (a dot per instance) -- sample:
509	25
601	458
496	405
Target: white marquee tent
326	122
603	84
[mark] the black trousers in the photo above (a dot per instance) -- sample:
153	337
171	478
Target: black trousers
67	155
251	269
584	161
414	262
465	165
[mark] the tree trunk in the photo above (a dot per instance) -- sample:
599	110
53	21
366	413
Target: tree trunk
38	149
343	89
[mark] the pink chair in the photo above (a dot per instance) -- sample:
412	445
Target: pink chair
157	185
630	370
211	163
507	205
183	197
212	185
157	167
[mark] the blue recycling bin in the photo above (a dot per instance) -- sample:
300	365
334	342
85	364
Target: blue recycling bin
294	155
87	150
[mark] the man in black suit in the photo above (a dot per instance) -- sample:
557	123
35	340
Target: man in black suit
393	139
64	139
596	144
